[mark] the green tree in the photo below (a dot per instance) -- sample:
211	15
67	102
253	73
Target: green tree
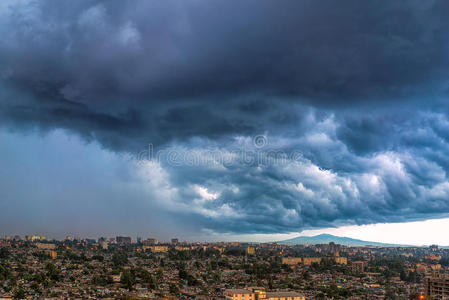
19	293
4	253
128	279
53	272
119	259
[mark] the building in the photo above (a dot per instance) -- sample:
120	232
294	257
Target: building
52	254
284	296
437	286
433	257
104	245
32	238
43	246
116	278
239	294
433	248
341	260
307	261
150	242
174	241
182	248
256	293
291	260
358	266
123	240
156	249
250	251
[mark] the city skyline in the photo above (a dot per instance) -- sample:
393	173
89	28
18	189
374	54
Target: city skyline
403	234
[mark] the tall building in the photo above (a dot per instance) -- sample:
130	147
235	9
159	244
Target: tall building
52	254
123	240
359	266
174	241
33	238
433	248
104	245
437	286
150	242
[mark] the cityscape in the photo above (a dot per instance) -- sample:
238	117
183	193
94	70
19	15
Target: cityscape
224	149
122	268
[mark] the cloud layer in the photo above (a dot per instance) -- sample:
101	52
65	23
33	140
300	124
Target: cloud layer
358	89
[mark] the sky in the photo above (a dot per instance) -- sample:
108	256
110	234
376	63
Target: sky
226	119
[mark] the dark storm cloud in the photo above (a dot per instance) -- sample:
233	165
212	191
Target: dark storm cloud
329	49
359	88
146	57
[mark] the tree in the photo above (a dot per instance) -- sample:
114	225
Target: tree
119	259
146	277
4	272
53	272
19	293
128	279
306	275
4	253
403	276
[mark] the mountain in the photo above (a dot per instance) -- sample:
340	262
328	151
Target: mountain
327	238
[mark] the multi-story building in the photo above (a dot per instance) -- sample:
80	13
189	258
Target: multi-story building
43	246
52	254
341	260
307	261
260	294
182	248
291	260
150	242
284	296
104	245
437	286
33	238
359	266
155	249
239	294
123	240
433	257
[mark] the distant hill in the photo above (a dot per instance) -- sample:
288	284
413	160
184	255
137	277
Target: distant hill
327	238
